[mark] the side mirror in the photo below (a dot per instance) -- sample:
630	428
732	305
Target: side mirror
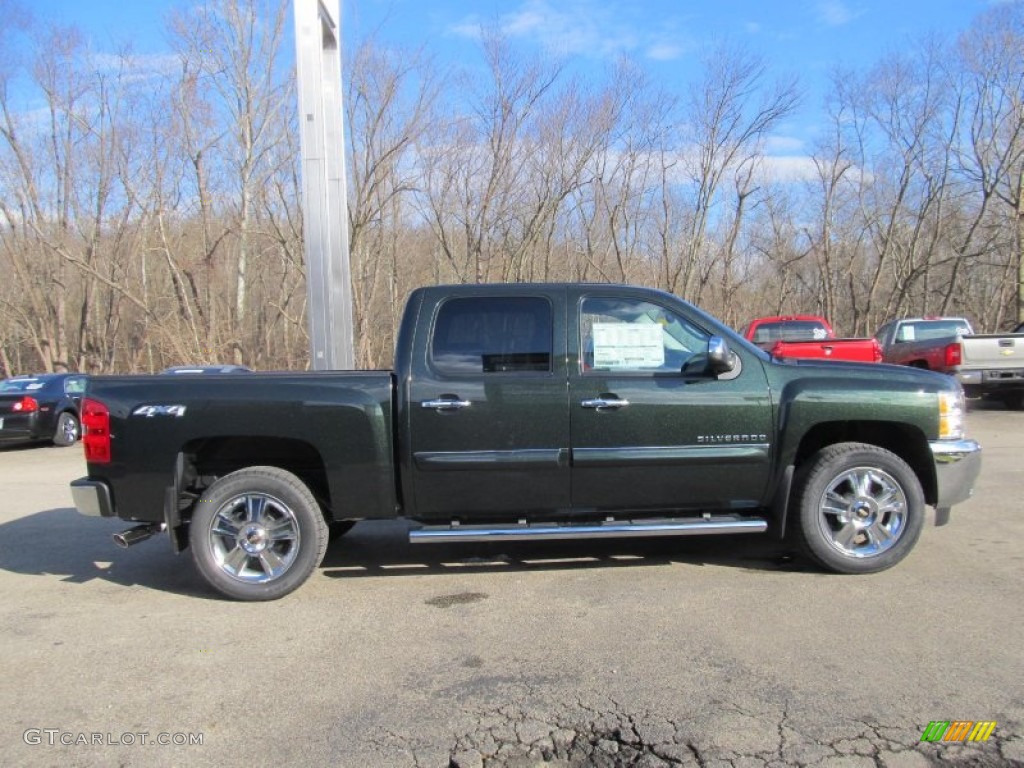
720	358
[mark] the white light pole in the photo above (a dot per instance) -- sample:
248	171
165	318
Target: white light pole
324	204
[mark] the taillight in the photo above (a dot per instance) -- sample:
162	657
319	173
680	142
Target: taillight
25	405
954	354
96	431
876	351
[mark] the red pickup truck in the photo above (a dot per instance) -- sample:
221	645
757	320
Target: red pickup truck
808	336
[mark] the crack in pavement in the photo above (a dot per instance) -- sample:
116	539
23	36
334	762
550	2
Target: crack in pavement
584	736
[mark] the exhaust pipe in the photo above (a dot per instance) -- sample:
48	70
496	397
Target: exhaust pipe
125	539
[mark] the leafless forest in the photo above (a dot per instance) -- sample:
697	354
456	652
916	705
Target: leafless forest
149	208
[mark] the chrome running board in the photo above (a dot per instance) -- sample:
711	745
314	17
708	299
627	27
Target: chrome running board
690	526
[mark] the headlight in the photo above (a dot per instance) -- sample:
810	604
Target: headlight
951	415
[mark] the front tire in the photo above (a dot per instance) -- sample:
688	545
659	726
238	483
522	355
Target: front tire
257	534
860	508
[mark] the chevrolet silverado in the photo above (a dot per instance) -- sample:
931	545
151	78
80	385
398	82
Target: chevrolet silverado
529	412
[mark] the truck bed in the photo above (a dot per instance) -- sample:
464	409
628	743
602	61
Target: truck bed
340	420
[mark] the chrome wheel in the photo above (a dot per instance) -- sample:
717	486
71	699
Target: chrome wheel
863	512
254	537
68	430
70	427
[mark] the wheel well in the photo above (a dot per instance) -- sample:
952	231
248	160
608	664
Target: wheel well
905	441
208	459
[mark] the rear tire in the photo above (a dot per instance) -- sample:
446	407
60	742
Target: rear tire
860	508
68	430
257	534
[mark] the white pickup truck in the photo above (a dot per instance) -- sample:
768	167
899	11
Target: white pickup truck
992	365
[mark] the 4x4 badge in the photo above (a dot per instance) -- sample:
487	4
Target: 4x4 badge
149	411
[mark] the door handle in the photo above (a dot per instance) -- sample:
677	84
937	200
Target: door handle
603	403
446	405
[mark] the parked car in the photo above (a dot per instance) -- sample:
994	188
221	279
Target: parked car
41	407
530	412
808	336
932	343
201	369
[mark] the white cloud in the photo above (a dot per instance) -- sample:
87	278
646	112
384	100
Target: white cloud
137	67
836	13
575	27
788	168
526	22
665	51
783	145
752	28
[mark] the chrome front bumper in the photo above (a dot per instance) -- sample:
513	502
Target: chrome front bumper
957	464
92	497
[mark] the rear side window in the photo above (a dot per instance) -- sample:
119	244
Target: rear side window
493	335
74	386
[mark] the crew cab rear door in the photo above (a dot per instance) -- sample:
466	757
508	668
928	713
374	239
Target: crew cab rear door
646	436
488	416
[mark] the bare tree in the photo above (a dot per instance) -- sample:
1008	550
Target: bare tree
728	113
232	49
388	112
991	149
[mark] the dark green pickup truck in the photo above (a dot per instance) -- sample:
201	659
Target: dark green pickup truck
528	412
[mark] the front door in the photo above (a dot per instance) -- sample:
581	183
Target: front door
650	431
488	408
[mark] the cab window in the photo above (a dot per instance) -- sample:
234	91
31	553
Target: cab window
74	386
626	335
490	335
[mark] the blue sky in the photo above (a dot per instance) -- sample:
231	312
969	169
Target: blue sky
802	35
667	37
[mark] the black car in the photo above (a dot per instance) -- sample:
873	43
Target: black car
42	407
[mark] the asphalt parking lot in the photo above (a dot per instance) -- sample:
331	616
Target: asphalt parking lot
697	652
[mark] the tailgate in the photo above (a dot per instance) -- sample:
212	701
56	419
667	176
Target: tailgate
855	350
995	351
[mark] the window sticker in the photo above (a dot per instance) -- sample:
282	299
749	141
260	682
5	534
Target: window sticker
820	334
907	333
622	345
